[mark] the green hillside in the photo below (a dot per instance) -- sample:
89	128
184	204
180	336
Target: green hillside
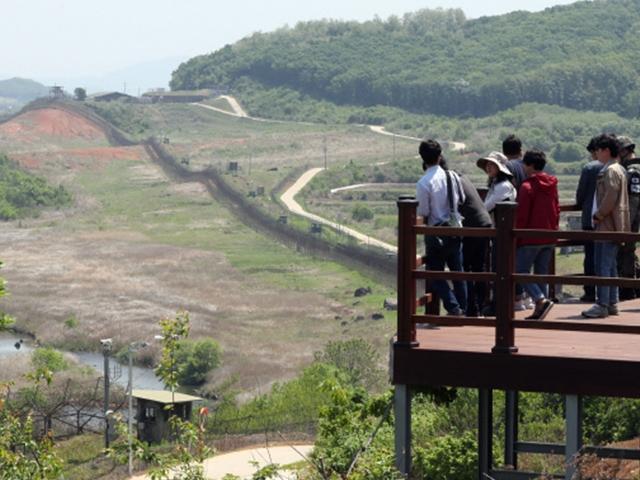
584	56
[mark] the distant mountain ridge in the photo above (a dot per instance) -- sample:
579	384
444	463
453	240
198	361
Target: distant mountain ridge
584	56
22	89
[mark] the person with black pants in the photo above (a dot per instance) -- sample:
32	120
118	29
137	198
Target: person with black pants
584	200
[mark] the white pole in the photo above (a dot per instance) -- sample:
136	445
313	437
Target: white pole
130	426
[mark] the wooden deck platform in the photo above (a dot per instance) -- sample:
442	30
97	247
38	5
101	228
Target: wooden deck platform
559	361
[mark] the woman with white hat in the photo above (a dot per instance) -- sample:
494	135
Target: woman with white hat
500	187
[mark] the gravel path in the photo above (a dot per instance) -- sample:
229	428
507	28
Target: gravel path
240	463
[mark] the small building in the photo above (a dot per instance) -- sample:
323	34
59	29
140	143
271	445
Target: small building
110	97
153	417
177	96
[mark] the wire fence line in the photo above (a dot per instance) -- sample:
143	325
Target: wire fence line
368	259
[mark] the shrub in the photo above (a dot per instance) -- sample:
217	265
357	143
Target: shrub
48	358
361	212
195	359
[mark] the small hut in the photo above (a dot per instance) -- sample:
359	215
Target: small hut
153	417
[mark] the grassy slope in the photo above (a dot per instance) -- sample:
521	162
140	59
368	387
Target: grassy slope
138	247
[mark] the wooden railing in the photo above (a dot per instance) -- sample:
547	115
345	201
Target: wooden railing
504	277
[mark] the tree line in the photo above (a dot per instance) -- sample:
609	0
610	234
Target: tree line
582	56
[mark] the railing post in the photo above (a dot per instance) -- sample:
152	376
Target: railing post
407	207
505	262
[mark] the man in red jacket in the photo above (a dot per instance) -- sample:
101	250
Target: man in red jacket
538	208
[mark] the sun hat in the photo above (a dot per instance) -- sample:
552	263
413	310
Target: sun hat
498	159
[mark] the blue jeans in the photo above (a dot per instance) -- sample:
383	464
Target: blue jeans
605	254
539	257
447	251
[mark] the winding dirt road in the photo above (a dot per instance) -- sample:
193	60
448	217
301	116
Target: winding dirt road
288	197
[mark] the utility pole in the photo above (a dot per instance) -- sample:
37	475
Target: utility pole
394	147
324	150
106	350
133	347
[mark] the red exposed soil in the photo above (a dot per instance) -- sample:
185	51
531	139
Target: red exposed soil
51	122
79	158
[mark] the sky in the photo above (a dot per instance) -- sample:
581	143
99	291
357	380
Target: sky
52	40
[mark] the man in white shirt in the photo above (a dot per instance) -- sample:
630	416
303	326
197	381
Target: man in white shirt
439	195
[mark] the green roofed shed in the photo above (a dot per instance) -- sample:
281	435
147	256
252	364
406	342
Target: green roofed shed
153	416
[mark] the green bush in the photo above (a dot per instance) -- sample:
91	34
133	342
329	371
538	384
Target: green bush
48	358
361	212
195	359
21	192
448	457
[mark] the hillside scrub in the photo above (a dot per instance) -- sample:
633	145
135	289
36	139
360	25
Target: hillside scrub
21	193
415	62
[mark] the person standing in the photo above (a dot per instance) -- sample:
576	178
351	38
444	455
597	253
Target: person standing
610	214
439	195
584	200
512	149
627	258
538	208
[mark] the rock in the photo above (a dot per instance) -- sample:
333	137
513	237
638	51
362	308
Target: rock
337	317
390	304
377	316
359	318
344	323
362	291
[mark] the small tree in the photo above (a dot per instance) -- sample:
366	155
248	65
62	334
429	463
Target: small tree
184	460
80	94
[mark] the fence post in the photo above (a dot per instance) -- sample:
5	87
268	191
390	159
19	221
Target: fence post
407	207
505	261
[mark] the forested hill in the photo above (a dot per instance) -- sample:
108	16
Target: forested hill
584	56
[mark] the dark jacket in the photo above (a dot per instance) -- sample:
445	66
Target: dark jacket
516	167
586	190
538	207
473	210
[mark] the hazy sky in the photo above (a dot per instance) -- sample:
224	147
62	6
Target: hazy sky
72	38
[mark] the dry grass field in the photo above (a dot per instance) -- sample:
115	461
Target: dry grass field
137	247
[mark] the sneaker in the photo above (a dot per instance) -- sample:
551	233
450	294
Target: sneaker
489	311
613	309
542	310
456	312
596	311
529	304
519	306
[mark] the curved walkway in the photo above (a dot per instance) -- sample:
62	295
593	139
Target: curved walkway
240	463
288	199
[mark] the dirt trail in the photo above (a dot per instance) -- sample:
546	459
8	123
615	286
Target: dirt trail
240	462
288	198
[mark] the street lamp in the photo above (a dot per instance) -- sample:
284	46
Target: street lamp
133	347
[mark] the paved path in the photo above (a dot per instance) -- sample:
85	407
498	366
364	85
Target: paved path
239	462
294	207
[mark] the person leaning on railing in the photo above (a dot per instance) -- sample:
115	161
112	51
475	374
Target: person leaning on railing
610	214
584	200
538	209
439	196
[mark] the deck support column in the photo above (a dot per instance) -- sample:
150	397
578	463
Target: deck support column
504	286
402	412
511	429
485	433
573	405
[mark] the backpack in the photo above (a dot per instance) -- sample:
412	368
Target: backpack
633	179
